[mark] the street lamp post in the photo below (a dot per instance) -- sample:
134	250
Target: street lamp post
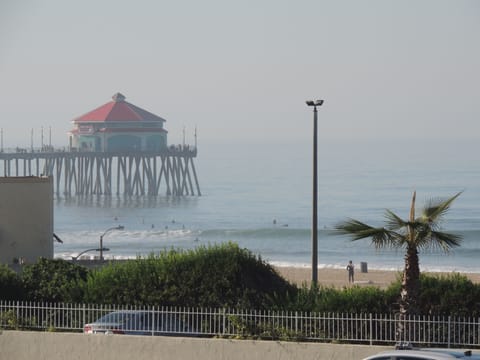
75	258
119	227
315	103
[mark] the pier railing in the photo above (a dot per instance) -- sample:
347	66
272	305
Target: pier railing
443	331
20	152
77	172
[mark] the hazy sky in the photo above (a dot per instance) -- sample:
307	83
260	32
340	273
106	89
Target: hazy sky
241	70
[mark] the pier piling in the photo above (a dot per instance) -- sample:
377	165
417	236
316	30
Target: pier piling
171	171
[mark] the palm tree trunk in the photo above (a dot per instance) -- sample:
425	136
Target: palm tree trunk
410	281
409	294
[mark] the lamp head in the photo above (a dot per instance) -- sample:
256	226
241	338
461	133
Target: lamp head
120	227
314	102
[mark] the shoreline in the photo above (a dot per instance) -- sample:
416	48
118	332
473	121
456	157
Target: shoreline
338	278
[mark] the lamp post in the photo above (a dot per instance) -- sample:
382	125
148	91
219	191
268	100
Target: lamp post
75	258
315	103
119	227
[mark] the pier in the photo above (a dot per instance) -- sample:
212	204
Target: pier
169	171
116	149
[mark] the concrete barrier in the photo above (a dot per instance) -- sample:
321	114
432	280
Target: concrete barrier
23	345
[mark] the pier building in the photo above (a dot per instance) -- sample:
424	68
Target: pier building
118	126
117	148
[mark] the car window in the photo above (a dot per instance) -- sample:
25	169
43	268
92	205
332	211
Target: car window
135	321
118	318
169	323
143	321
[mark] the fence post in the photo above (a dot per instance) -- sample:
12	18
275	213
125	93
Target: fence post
296	324
152	322
477	327
371	329
84	315
449	330
18	315
224	321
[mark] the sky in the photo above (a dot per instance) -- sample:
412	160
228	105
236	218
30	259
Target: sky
240	71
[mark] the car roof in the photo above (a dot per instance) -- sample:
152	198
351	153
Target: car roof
129	312
436	354
456	353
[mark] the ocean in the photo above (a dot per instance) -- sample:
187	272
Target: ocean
260	197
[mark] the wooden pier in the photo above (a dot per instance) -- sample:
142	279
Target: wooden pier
171	171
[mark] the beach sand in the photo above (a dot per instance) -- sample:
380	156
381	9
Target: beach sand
338	278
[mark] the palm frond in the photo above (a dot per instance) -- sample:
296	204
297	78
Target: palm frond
435	209
446	241
428	238
357	230
394	222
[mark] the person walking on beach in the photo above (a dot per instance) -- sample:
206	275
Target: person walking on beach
351	271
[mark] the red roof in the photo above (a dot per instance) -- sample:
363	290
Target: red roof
118	110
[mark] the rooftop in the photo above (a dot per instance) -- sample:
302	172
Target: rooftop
118	110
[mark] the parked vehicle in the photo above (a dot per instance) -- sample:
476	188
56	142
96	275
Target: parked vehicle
138	323
425	354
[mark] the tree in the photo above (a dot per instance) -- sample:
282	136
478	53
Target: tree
10	284
414	234
54	280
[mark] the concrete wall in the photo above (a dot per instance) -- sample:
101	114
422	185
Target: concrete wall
26	218
23	345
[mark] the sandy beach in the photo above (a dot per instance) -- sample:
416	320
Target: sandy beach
338	278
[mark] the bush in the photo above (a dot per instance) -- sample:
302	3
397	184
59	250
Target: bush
54	281
439	295
10	284
216	276
453	294
222	276
348	300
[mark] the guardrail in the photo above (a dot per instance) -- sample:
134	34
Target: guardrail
275	325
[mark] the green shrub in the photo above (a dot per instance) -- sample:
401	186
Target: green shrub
453	294
223	276
216	276
54	281
10	284
347	300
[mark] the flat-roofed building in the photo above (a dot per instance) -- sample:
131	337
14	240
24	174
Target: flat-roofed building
26	219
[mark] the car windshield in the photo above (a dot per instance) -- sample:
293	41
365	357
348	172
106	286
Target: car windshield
116	317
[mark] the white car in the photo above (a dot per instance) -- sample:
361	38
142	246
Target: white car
137	323
425	354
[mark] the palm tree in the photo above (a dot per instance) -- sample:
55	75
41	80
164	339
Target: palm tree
412	235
